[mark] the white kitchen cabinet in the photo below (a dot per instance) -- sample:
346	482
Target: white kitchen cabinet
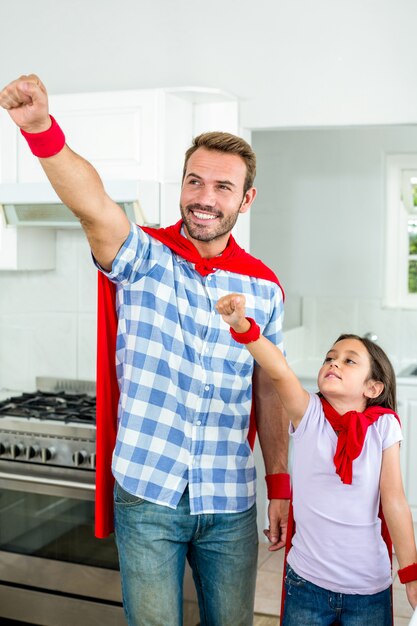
407	410
116	131
134	135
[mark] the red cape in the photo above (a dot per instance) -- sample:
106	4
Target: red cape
234	259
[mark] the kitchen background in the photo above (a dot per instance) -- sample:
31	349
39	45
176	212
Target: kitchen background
320	221
325	91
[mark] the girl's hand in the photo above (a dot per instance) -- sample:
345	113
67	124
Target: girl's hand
232	310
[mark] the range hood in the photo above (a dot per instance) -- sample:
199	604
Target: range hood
37	205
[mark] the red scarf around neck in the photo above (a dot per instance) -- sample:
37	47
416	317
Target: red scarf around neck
352	428
233	259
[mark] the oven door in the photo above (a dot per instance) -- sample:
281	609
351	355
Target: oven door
53	571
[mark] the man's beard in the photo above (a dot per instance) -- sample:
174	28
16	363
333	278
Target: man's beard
198	231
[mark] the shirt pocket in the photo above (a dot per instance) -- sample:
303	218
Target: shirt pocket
238	361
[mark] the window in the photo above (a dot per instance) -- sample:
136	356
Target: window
412	255
401	231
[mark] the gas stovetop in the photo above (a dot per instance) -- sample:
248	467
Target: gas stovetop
59	406
54	425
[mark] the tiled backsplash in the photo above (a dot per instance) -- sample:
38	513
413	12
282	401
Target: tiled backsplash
48	319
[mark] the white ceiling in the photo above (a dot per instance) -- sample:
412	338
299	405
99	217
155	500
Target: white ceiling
292	62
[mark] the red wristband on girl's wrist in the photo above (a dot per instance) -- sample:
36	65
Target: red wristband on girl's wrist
47	143
250	335
408	574
278	486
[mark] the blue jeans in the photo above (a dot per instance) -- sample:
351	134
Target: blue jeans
153	542
306	603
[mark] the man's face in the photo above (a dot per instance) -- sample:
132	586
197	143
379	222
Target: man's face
212	194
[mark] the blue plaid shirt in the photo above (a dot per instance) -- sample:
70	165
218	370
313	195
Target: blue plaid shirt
185	385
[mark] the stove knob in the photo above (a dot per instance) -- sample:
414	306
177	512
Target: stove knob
93	460
16	450
4	449
79	457
31	452
47	454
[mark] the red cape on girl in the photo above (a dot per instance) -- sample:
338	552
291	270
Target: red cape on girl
233	259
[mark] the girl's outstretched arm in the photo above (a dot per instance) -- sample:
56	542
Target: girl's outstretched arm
398	515
293	396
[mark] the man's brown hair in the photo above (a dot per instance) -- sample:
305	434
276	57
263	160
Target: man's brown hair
231	144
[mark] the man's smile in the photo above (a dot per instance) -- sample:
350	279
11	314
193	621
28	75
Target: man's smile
203	216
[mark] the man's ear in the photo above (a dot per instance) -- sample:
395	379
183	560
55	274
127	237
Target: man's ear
374	388
248	198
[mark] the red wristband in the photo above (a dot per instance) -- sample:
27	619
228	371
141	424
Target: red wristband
408	574
250	335
47	143
278	486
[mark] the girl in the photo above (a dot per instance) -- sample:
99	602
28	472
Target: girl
346	461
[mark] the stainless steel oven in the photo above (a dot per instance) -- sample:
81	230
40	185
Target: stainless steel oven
53	571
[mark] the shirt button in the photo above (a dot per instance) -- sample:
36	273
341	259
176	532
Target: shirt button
198	422
207	387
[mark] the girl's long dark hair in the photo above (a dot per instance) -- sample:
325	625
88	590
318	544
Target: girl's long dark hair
381	370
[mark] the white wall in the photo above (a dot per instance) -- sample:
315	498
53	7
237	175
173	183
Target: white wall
292	62
319	222
48	319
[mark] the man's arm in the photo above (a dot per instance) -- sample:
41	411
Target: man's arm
272	428
74	179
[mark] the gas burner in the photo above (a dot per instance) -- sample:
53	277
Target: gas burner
59	406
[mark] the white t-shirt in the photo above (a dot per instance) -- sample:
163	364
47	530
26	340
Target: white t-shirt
338	544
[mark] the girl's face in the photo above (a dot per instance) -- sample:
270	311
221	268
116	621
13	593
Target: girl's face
344	375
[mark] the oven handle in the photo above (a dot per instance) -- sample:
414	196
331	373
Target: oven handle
47	481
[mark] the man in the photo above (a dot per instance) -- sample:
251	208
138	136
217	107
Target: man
185	476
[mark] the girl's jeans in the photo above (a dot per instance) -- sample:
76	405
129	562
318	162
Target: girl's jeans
308	604
153	542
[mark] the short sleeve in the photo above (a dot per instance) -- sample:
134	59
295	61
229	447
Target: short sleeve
390	430
136	258
313	411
